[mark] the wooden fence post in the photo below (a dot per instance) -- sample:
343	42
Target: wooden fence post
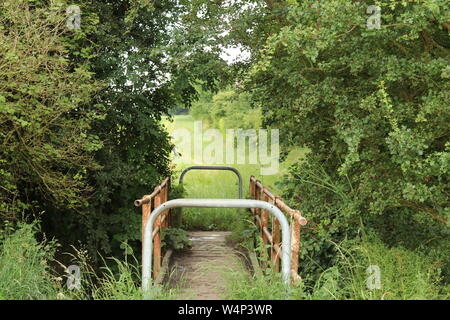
157	240
264	226
276	237
295	245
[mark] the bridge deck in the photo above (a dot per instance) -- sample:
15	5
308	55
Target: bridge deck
202	271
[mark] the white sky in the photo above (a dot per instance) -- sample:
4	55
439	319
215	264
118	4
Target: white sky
234	54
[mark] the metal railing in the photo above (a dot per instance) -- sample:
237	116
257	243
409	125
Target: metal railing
215	168
214	203
272	236
148	203
282	237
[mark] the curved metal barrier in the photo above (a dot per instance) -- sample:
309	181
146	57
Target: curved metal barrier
214	203
156	215
238	174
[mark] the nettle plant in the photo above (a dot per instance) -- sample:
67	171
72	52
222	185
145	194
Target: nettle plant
371	104
175	239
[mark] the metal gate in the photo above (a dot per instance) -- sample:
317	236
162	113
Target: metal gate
238	174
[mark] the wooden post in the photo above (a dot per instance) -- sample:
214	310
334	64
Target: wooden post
257	210
164	199
265	224
295	245
157	240
146	210
252	192
276	237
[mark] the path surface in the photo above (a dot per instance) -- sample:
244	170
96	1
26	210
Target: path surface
202	271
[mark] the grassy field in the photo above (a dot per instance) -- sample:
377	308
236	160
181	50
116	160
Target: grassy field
218	184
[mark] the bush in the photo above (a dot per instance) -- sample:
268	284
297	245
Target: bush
44	122
227	109
372	106
175	239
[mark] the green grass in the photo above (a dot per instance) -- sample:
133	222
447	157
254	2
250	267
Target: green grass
24	265
219	184
26	272
118	279
404	275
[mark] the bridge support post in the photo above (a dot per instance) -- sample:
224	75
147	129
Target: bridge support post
157	240
276	243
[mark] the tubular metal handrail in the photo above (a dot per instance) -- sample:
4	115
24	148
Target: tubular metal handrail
156	214
215	203
238	174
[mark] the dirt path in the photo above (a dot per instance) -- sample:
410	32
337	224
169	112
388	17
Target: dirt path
202	271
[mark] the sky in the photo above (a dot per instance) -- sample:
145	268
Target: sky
234	54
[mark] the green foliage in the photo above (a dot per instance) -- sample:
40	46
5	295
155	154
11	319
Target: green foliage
244	231
244	287
372	106
46	147
200	109
61	144
24	264
175	239
124	44
81	134
25	272
404	275
176	192
121	286
119	279
227	110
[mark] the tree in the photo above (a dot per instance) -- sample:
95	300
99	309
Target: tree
372	106
46	146
133	48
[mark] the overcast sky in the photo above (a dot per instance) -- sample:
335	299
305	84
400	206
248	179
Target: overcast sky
235	54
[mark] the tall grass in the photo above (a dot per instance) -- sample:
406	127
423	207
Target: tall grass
117	279
26	272
24	264
405	275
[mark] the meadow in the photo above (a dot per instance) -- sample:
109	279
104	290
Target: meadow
218	184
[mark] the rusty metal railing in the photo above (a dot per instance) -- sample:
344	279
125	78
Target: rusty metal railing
270	235
148	203
284	250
